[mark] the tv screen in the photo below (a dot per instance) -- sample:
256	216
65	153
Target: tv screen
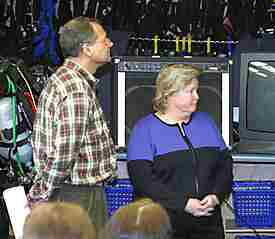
257	97
134	88
260	94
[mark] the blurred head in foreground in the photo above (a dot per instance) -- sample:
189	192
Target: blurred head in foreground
142	219
58	220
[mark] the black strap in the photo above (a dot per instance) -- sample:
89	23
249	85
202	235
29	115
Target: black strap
20	128
18	143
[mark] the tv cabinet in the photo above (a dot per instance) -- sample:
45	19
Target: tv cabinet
232	230
253	158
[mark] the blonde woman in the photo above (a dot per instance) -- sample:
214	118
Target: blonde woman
178	158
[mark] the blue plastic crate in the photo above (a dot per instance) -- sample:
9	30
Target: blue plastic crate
254	203
118	194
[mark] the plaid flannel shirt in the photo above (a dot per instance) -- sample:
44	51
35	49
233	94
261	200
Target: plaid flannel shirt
71	140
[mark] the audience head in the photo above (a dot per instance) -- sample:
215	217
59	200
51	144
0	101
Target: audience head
142	219
58	220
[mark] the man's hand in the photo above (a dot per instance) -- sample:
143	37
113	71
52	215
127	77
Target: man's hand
32	202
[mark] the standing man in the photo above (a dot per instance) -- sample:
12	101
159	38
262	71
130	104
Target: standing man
73	151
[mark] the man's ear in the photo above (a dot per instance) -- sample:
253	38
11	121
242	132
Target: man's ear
87	50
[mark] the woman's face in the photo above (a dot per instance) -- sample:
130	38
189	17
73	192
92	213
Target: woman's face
186	99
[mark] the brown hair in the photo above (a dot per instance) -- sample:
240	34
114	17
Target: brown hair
171	79
58	220
143	219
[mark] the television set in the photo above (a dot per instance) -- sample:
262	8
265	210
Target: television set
257	107
133	88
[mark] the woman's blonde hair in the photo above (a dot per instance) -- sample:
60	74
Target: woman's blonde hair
172	78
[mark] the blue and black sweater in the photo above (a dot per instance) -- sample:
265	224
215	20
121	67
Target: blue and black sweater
171	163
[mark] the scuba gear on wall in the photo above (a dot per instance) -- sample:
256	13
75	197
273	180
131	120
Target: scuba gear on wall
45	42
15	121
23	147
